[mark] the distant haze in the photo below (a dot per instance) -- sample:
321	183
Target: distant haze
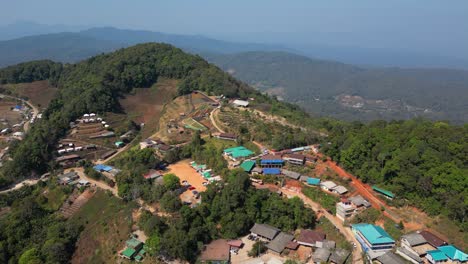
433	32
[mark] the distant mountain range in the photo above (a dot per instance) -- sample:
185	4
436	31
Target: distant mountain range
76	46
319	86
349	92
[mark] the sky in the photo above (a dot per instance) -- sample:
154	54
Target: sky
437	27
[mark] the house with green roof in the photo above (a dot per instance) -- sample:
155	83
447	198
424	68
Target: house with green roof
248	165
373	239
237	153
445	253
133	250
387	194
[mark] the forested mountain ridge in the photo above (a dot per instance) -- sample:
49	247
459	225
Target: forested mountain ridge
95	85
349	92
423	162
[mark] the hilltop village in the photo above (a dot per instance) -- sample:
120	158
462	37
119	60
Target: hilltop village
152	155
352	222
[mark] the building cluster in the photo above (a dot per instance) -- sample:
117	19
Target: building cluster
161	147
347	207
205	172
134	250
278	241
71	178
418	247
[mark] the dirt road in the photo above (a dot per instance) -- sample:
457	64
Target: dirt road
99	184
213	115
34	109
357	251
365	191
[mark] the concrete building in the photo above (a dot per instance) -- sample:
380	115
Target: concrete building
296	159
373	239
272	161
344	209
416	244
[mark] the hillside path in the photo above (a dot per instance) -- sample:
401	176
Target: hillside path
30	104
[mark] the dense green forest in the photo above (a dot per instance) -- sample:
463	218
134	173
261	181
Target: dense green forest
422	162
389	93
32	231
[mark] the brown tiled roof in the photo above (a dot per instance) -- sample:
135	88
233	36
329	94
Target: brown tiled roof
310	236
432	239
236	243
292	245
271	157
164	147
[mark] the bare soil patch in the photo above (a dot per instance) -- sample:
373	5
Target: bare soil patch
145	105
40	93
184	171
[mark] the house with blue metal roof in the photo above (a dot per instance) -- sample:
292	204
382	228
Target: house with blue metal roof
102	167
445	253
373	239
436	256
272	161
271	171
313	181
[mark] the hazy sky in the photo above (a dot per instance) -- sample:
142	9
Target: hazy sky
414	25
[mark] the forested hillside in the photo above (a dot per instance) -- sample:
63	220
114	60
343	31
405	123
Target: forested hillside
350	92
95	85
421	161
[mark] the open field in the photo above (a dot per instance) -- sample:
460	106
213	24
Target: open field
107	224
10	117
145	105
184	171
40	93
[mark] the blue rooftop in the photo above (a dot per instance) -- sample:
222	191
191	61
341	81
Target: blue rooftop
313	181
454	253
271	171
374	234
437	255
102	167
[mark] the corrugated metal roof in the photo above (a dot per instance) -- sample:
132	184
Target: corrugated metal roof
374	234
313	181
454	253
265	230
248	165
437	255
382	191
271	171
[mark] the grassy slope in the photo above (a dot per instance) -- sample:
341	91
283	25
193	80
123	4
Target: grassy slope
145	105
40	93
107	221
